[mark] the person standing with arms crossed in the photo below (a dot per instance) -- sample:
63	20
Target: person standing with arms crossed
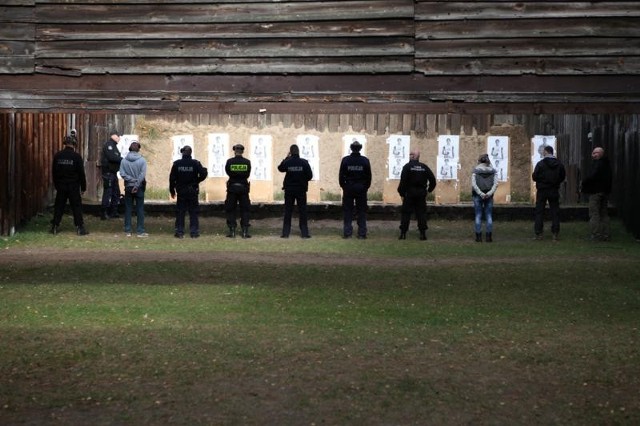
109	166
238	169
355	180
416	180
548	174
184	179
598	185
133	170
70	182
296	183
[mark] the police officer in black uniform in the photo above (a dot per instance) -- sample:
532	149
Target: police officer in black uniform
109	167
355	180
238	169
416	180
298	173
184	179
70	182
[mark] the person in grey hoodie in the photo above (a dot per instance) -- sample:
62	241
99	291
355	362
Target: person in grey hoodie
484	182
133	170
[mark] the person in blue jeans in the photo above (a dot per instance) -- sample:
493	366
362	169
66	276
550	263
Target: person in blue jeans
484	182
133	170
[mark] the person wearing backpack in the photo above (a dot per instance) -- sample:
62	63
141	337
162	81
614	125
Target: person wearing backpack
484	182
548	174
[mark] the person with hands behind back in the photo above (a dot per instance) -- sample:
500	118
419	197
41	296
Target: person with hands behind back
70	182
184	179
133	170
238	169
484	182
416	180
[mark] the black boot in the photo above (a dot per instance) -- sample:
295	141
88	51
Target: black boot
81	231
232	232
245	232
403	235
488	237
478	237
104	215
423	235
54	229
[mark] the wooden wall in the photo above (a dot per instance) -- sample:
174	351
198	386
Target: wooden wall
367	56
27	145
548	38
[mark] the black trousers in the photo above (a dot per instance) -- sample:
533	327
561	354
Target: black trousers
110	192
414	201
233	200
354	196
71	192
298	197
544	196
189	204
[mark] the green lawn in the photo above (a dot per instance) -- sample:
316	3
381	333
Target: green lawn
105	329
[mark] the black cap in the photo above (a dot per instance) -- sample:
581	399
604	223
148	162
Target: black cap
356	146
186	150
115	132
238	147
70	140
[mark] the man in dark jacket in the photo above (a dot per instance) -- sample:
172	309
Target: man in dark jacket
109	166
70	182
238	169
548	174
416	180
298	173
184	179
355	180
598	185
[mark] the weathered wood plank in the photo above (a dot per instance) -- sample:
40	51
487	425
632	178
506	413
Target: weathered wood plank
580	66
84	105
127	14
453	10
542	48
17	31
18	2
323	65
528	28
16	65
227	48
16	14
383	110
154	1
352	29
16	48
374	85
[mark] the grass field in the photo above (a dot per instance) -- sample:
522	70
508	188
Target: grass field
109	330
